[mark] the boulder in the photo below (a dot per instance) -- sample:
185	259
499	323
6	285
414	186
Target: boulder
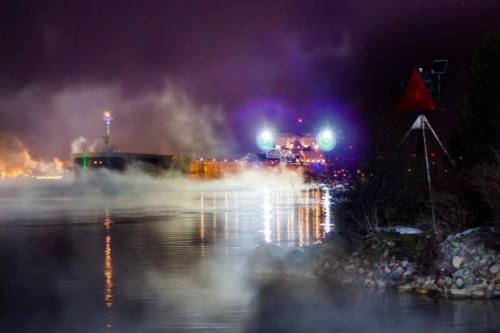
457	261
458	293
448	281
421	291
380	284
458	273
459	282
495	269
405	288
349	267
369	283
477	294
429	284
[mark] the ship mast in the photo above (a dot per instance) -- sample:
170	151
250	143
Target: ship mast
107	122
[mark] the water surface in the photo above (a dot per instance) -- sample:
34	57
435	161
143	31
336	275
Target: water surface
174	261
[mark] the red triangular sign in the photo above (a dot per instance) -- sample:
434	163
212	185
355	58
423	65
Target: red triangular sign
416	97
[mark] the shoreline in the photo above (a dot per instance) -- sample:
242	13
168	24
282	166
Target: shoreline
462	266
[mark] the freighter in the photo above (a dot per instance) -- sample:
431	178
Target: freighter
111	159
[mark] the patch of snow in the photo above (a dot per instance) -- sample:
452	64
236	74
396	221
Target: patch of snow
401	229
467	232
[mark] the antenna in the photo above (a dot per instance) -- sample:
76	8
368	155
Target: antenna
107	122
439	67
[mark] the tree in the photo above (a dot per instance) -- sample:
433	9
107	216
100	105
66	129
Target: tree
481	116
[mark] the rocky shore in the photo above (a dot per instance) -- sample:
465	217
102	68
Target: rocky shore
465	265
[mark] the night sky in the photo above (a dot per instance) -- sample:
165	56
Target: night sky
205	75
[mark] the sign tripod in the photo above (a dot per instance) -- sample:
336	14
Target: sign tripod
422	124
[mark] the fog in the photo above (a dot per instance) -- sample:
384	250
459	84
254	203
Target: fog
163	120
56	236
23	199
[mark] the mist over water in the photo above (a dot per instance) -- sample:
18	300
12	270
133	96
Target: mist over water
132	253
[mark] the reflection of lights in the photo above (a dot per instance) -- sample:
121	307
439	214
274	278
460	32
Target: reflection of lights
307	217
202	224
267	210
300	226
325	204
48	177
108	265
214	226
317	214
236	215
226	226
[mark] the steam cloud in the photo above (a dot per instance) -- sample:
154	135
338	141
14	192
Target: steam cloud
166	120
15	160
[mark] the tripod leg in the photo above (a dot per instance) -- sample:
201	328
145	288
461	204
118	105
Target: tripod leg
440	143
397	148
429	183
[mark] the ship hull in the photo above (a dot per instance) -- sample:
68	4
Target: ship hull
121	162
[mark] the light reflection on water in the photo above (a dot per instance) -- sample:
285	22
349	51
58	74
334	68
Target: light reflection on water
177	266
237	221
277	210
108	267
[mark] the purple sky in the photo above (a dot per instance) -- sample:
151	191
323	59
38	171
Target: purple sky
158	65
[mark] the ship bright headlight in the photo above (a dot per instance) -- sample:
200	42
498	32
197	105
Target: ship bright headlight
265	140
326	140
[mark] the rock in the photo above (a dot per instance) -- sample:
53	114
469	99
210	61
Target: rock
458	273
411	267
459	282
483	270
420	280
477	294
405	288
480	283
326	265
399	271
457	261
369	283
458	293
347	281
429	284
380	284
448	281
349	267
396	274
421	291
495	269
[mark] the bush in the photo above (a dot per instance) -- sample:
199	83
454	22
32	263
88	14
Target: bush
485	180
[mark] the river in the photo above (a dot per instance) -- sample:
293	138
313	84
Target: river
171	258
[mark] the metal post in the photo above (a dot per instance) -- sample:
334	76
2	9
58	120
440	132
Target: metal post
429	183
440	143
397	148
